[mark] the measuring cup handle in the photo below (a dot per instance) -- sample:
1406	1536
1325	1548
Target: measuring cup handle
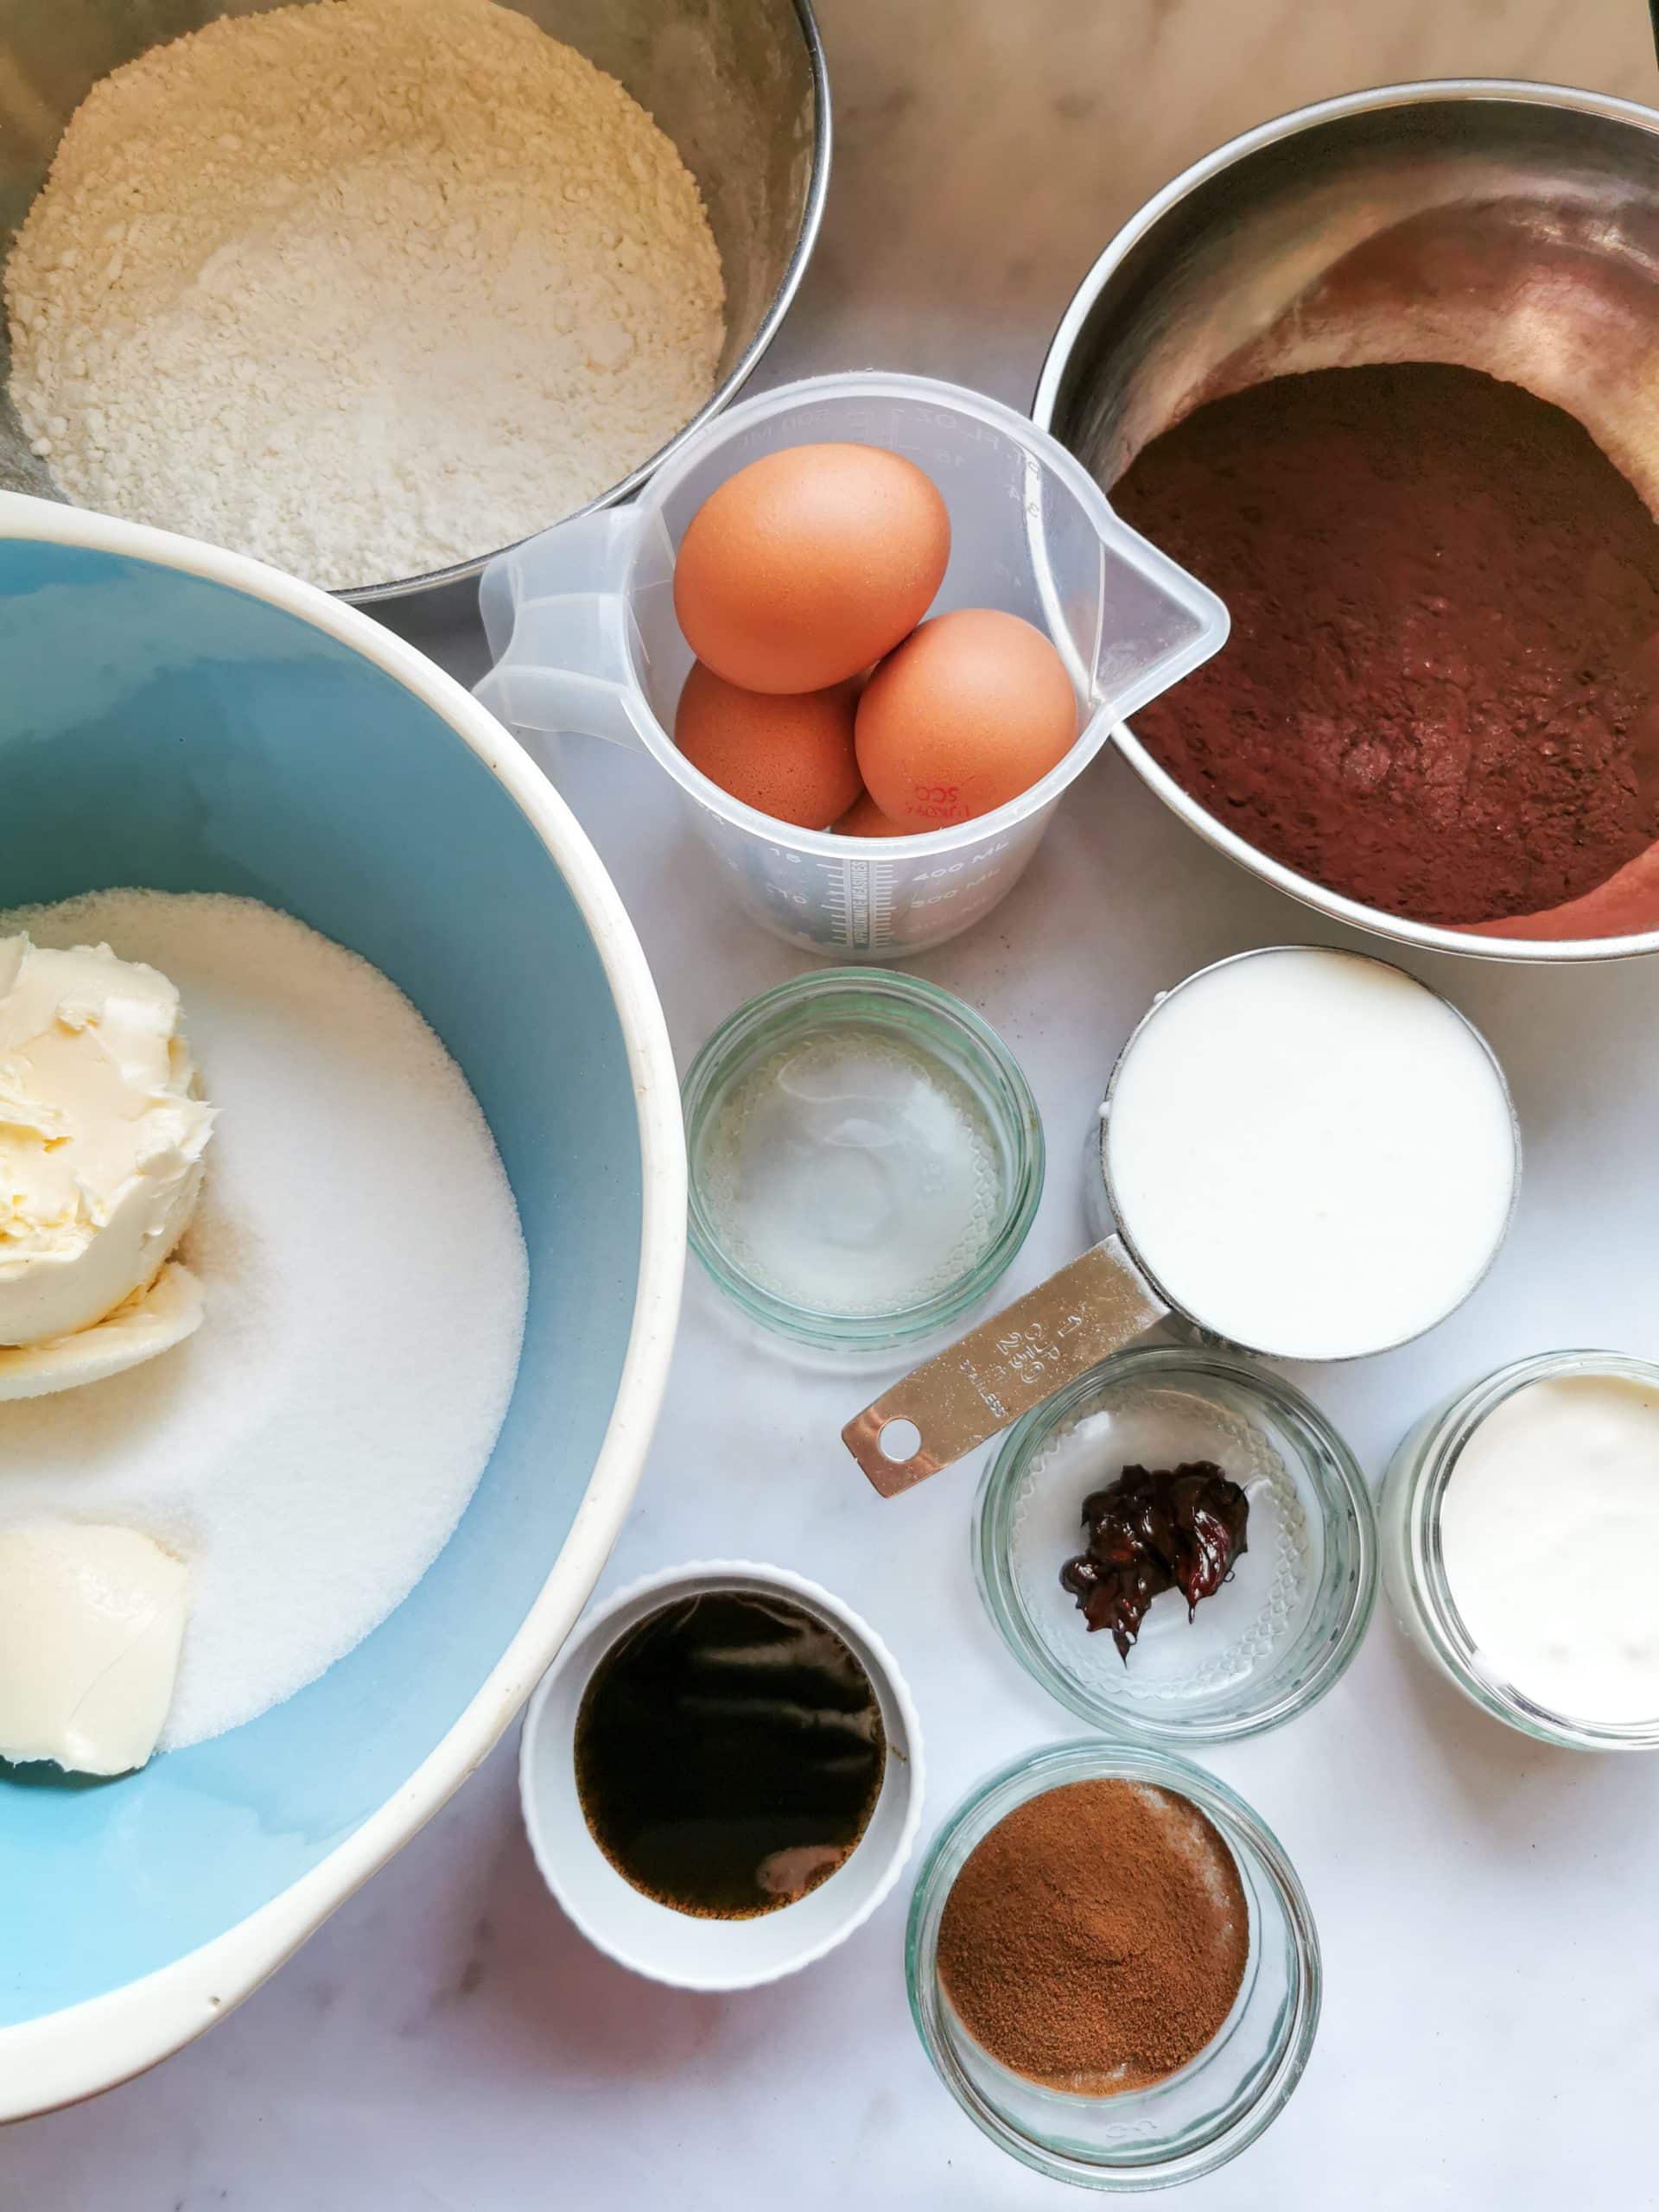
986	1379
556	622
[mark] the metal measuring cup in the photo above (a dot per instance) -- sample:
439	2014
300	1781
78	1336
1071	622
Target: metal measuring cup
1093	1307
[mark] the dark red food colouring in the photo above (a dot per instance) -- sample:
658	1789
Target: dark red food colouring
1180	1528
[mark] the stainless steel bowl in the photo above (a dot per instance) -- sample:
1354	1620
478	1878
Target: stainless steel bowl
738	85
1508	227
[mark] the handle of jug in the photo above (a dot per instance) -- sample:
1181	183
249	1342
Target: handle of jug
556	618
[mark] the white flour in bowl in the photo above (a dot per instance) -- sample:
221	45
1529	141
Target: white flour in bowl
364	287
311	1449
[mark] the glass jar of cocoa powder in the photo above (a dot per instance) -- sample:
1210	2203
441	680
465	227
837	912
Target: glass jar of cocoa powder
1147	2134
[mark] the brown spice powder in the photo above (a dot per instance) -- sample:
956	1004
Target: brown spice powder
1096	1939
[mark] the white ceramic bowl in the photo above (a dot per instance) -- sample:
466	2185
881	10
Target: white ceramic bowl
652	1938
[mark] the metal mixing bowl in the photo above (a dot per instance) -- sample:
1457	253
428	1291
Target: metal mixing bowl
738	85
1508	227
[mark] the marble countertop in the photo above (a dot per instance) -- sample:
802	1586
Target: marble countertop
1491	2037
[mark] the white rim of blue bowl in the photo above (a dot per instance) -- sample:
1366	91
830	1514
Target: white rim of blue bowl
83	2049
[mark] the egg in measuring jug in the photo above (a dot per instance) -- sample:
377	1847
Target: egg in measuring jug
584	640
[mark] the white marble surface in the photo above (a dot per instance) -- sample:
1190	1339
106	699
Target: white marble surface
1490	2036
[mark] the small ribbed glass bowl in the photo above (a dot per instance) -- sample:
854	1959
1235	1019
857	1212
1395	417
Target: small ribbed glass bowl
921	1021
1213	2107
1271	1640
1414	1570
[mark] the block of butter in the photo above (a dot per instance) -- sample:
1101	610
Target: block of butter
91	1617
149	1322
102	1134
103	1129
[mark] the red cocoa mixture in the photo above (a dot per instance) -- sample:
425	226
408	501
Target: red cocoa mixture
1432	699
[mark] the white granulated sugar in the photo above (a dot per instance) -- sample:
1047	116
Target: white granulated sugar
311	1448
364	287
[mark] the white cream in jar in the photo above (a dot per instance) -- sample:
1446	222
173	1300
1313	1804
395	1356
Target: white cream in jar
1549	1526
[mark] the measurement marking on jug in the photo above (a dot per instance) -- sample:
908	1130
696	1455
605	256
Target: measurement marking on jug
840	902
858	882
882	872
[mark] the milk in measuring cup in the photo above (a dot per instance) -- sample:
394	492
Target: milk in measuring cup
1309	1153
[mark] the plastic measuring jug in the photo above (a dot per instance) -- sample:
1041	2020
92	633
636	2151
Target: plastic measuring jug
582	636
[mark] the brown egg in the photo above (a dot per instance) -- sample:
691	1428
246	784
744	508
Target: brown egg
809	564
791	756
864	818
972	709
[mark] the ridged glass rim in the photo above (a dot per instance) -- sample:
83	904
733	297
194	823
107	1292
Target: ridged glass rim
1088	1759
1347	1593
1432	1464
848	993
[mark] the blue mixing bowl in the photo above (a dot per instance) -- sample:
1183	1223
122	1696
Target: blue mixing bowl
180	718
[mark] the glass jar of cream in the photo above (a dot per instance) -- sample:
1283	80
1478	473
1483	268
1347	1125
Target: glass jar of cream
1519	1524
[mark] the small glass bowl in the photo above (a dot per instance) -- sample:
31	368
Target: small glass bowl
927	1021
1414	1570
1270	1641
1200	2117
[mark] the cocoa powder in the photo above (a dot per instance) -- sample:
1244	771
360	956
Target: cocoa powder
1096	1939
1434	697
